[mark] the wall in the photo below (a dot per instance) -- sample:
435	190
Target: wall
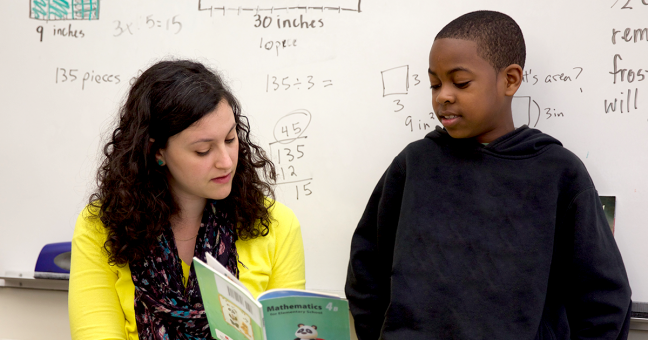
355	79
24	308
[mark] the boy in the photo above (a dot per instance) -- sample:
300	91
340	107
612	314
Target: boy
481	230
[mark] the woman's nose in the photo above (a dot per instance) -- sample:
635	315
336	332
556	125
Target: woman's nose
223	160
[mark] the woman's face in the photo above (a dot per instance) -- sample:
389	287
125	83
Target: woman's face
202	158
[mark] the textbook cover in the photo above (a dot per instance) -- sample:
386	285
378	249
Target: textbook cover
278	314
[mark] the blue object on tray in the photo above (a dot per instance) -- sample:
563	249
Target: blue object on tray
54	261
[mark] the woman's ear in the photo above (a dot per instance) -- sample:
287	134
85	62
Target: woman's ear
159	154
159	158
513	76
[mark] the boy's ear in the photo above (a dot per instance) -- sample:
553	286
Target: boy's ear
513	76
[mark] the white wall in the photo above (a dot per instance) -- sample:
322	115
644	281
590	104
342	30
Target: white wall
30	314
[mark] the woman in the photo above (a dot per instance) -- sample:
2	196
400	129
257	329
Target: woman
180	178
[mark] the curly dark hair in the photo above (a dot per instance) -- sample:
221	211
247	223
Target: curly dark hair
133	199
498	37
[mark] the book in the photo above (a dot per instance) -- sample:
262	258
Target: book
609	207
279	314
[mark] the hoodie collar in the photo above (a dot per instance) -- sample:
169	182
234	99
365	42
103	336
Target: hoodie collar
521	142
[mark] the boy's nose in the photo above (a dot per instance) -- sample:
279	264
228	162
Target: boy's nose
444	96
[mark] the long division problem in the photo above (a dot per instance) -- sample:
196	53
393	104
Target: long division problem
289	152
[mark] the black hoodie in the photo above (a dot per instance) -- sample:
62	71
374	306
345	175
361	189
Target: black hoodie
506	241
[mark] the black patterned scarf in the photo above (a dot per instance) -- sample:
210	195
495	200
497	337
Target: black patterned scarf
164	308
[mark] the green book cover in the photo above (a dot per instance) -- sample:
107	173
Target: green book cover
305	317
233	314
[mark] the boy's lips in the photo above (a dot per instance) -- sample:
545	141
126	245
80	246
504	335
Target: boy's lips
449	119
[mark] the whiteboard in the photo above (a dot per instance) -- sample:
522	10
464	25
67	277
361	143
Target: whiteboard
349	74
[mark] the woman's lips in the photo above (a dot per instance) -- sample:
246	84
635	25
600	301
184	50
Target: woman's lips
222	179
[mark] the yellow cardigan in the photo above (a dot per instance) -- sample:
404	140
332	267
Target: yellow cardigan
101	296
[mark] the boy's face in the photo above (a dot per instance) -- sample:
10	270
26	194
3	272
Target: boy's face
469	97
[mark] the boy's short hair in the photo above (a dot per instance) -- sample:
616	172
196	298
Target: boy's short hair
498	37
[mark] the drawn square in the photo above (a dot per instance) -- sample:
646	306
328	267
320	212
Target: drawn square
395	80
525	111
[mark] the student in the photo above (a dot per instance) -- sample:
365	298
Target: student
180	178
481	230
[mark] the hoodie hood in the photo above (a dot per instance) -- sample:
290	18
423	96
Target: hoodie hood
521	142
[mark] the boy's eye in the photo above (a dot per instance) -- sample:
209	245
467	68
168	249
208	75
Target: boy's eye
462	85
435	86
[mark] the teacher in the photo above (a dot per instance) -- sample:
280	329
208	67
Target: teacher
180	178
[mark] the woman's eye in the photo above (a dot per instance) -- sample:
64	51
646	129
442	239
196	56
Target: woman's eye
230	141
202	153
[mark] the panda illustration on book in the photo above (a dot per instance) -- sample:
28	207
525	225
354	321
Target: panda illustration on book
306	332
